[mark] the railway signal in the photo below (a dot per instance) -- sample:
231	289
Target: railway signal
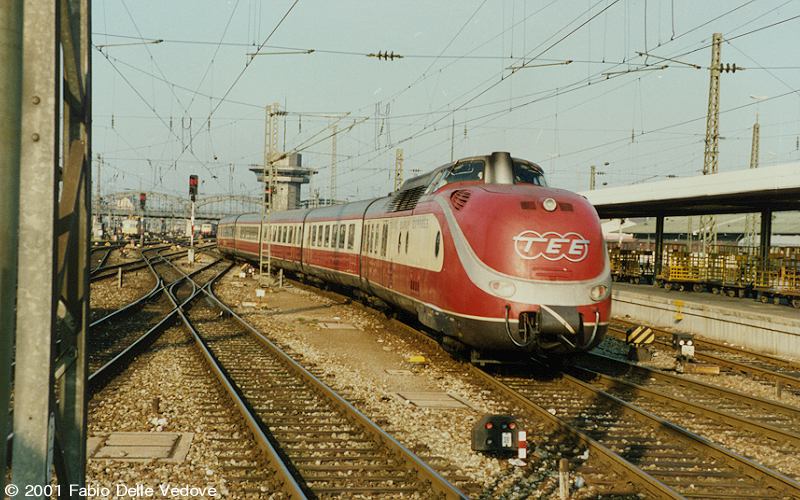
683	342
496	433
142	202
193	196
193	187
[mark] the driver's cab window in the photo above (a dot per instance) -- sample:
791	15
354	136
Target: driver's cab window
528	174
462	172
436	182
468	171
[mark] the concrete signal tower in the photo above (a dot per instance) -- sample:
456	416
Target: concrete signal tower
290	176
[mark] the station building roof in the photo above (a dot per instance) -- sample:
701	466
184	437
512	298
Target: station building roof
783	223
775	188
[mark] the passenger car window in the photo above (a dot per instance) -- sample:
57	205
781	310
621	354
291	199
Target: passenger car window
351	237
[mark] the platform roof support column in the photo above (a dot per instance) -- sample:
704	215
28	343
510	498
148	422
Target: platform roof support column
10	109
54	229
73	229
766	234
34	421
659	250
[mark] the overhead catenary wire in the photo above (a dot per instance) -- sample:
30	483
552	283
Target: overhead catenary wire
479	106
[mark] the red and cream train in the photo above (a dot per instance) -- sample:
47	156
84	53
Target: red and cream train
480	250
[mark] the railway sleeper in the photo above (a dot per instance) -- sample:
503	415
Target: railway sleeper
302	430
342	452
330	475
354	461
342	467
337	492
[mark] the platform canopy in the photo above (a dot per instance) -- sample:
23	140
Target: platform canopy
773	189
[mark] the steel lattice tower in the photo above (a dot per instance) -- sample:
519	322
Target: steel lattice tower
750	224
712	138
398	169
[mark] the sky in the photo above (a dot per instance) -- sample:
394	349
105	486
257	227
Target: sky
622	85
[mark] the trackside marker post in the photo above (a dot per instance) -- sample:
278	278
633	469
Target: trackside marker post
563	478
522	445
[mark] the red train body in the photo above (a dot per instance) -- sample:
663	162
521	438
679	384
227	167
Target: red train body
480	250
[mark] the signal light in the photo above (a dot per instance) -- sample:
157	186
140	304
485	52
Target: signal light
495	433
193	187
684	342
142	200
680	339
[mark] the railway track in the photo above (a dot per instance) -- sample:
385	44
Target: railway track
197	404
118	337
99	256
625	450
618	448
781	372
746	424
301	440
665	460
325	444
103	268
240	461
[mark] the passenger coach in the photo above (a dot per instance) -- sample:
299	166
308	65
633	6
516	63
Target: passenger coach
480	250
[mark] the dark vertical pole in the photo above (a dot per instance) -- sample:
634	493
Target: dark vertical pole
766	236
659	250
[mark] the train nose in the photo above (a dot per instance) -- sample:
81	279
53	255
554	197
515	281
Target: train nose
552	326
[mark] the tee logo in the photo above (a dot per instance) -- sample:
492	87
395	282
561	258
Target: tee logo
552	246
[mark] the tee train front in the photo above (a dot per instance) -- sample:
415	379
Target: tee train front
480	250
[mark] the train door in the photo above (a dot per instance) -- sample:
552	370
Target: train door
385	264
367	263
368	250
298	241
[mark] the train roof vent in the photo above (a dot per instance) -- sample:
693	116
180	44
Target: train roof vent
406	200
459	198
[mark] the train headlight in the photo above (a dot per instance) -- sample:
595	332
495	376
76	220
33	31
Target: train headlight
550	204
502	288
599	292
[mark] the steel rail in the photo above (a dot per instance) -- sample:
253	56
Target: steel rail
762	404
102	260
440	486
727	418
157	289
737	463
737	366
106	272
719	346
271	455
643	481
97	379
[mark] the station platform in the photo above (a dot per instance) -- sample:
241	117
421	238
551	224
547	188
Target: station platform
768	328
